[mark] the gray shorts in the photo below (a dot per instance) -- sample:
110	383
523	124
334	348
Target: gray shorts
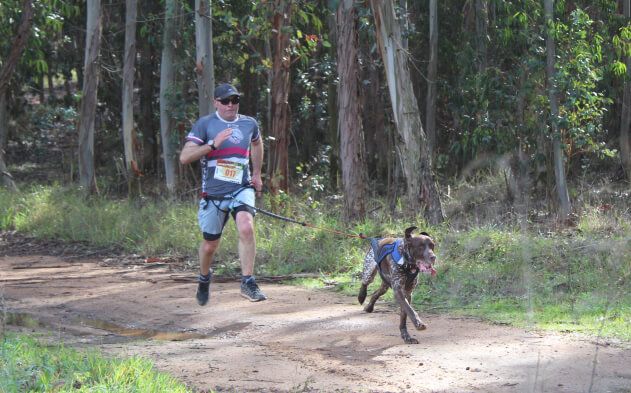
213	214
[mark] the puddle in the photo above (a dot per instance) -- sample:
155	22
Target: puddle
141	333
29	321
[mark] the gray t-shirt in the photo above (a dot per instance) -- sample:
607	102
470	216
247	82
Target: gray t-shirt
226	169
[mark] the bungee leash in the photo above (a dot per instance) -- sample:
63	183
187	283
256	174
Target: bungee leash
282	218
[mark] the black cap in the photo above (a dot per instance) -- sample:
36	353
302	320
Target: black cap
225	90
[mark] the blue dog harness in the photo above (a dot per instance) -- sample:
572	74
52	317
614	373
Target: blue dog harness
391	249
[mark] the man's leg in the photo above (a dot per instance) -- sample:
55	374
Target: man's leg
211	221
206	252
247	253
247	242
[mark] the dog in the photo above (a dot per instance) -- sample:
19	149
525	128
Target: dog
399	261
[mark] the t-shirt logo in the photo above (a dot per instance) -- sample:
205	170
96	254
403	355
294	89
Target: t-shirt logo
237	136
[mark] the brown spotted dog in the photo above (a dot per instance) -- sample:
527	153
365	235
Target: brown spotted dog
399	261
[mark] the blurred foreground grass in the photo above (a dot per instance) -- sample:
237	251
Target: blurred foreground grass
28	365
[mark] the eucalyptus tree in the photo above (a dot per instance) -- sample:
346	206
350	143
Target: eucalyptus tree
87	176
278	170
432	77
167	84
422	191
557	149
7	66
481	12
352	149
624	47
204	66
129	62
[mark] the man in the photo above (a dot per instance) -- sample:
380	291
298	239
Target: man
224	142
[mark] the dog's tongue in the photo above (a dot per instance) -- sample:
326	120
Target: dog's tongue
426	269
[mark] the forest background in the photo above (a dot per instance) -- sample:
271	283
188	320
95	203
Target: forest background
502	126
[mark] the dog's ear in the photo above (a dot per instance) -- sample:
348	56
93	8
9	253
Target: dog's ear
426	234
408	232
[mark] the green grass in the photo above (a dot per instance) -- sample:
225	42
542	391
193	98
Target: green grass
576	279
27	365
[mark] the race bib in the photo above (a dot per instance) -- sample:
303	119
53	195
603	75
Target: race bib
229	171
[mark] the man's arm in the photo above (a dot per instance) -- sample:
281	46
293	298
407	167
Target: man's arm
192	152
257	164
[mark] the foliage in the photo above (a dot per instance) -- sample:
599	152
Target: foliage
578	73
26	365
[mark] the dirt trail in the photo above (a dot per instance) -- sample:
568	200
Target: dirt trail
299	340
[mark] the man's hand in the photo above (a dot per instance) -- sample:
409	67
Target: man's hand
257	182
222	136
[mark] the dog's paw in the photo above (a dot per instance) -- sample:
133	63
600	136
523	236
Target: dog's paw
419	325
407	338
411	340
369	308
362	294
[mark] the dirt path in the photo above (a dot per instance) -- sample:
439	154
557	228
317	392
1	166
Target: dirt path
299	340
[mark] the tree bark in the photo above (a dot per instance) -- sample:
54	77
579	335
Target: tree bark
204	66
87	177
129	131
422	191
481	32
6	72
5	176
167	80
148	124
352	149
557	148
625	117
278	171
432	78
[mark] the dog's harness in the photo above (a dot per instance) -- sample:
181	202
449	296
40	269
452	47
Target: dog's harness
392	249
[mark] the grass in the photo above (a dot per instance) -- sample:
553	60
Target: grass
575	279
27	365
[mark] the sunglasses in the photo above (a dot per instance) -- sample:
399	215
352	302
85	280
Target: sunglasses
234	100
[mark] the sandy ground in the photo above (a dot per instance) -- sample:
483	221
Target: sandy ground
297	341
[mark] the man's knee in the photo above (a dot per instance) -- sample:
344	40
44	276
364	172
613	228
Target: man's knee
245	225
209	247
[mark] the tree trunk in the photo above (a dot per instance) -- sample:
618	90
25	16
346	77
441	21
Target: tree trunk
18	45
557	149
87	177
204	66
6	72
481	32
625	117
5	176
278	171
167	80
148	126
422	191
432	78
129	131
377	139
352	150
